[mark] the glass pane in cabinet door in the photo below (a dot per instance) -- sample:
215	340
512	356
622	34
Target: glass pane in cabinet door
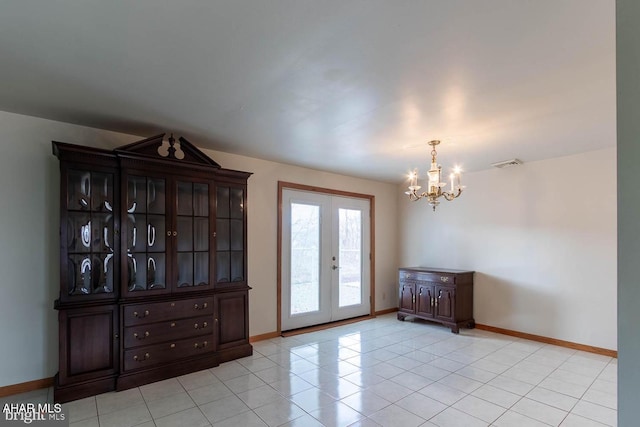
102	192
102	234
223	272
236	205
185	198
185	233
137	272
200	199
137	232
237	266
79	274
78	190
201	234
222	235
156	271
155	196
102	273
185	269
201	269
79	232
237	235
222	202
155	233
136	194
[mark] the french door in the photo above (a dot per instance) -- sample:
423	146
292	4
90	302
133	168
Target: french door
325	258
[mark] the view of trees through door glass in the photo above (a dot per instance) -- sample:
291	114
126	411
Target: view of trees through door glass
350	250
305	258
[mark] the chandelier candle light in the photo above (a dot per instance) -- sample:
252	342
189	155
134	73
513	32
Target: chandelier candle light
434	189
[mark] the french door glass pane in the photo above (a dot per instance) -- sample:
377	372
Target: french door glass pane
350	250
305	258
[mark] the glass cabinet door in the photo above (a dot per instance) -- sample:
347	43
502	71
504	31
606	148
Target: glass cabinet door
90	238
230	255
146	222
192	239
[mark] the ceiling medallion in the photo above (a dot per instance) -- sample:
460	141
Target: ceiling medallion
435	187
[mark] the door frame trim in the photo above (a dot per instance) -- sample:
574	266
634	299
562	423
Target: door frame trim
311	188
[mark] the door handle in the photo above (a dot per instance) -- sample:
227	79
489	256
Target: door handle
335	267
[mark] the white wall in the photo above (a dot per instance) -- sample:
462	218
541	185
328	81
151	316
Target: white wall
263	223
542	240
29	222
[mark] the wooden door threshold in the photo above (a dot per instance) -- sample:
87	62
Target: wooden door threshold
324	326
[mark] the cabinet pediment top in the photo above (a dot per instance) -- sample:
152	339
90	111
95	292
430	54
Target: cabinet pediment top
159	147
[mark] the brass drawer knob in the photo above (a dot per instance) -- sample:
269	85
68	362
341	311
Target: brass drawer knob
198	307
137	359
173	324
444	279
140	316
172	346
146	334
204	325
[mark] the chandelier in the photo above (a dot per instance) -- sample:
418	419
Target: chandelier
435	188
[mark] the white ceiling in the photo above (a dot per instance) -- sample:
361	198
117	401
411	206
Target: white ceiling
355	87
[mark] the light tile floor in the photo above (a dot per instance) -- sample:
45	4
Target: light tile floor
379	372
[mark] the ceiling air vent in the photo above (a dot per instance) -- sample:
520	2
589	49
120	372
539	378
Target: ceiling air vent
507	163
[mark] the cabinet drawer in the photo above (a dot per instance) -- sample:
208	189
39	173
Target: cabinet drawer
140	314
445	278
143	357
135	336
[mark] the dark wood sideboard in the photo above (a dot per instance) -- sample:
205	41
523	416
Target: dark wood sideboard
439	295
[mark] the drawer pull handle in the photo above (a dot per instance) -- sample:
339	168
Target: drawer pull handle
173	304
204	325
146	334
215	320
173	324
145	314
197	306
137	359
204	344
172	346
445	279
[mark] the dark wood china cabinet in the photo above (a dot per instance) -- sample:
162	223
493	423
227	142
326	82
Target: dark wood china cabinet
153	277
